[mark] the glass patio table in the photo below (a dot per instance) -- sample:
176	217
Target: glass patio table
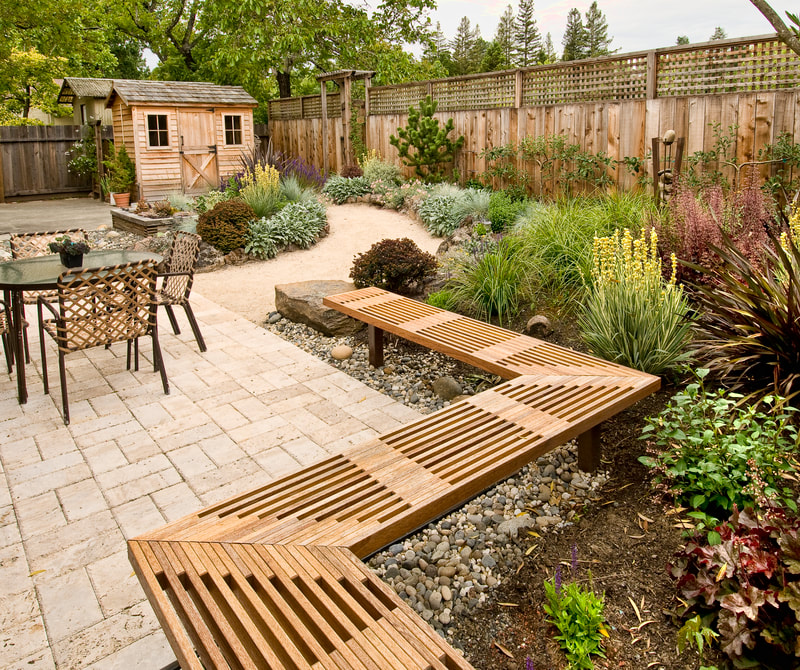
41	273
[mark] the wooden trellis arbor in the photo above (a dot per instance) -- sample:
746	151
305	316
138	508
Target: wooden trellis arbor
344	80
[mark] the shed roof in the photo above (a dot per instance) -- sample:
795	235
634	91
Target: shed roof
178	93
83	87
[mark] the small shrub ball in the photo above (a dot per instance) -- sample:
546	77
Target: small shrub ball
393	265
225	226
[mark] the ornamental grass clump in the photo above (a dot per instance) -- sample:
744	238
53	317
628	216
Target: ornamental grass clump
260	188
632	315
748	333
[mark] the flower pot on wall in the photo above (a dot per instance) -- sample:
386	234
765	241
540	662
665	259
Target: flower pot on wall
122	199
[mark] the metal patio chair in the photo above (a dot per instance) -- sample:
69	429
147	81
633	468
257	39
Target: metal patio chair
98	307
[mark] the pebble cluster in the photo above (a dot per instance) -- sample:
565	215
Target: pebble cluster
446	569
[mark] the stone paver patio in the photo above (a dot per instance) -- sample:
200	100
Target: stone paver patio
251	409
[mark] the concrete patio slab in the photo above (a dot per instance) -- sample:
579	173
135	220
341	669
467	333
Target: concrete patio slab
249	410
35	215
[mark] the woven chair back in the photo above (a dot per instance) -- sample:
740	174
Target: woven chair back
28	245
182	257
103	305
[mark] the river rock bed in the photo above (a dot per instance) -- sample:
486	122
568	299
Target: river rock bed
447	569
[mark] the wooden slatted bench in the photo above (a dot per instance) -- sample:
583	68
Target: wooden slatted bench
271	578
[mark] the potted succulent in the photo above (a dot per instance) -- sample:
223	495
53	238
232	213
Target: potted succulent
121	175
71	252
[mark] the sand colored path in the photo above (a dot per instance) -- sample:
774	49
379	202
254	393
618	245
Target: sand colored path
249	289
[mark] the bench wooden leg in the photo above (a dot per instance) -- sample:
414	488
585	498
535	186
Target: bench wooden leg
589	449
375	336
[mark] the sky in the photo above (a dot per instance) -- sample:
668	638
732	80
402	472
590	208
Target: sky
635	25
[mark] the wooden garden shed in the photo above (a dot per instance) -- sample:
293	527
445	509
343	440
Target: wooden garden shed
182	136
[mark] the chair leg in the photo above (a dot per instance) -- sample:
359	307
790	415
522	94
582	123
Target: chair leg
44	356
7	352
128	357
25	342
172	320
158	361
136	355
62	371
195	328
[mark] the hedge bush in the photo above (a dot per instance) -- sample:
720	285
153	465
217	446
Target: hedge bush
225	226
394	265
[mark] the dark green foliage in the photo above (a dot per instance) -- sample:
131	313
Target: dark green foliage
749	326
225	226
503	211
120	168
395	265
574	40
718	455
432	149
747	586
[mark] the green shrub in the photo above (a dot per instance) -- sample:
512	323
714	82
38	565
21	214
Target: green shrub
631	315
746	586
395	265
377	170
440	214
339	189
292	190
503	211
443	299
298	223
225	226
718	455
577	612
749	330
472	203
557	241
491	284
262	236
423	144
207	201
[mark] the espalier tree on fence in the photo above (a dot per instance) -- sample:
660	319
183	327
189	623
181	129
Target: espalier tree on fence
433	150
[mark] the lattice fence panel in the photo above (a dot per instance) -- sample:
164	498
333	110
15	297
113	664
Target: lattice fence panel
305	107
489	92
586	81
733	68
396	100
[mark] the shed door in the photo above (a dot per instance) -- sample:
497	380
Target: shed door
198	151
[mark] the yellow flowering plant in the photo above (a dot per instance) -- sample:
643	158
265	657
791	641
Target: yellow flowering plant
260	187
633	315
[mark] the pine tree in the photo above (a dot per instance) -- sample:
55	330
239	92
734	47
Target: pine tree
574	39
548	54
597	39
504	38
527	40
465	48
682	39
494	58
718	34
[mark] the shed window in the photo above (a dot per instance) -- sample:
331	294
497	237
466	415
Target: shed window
157	133
233	129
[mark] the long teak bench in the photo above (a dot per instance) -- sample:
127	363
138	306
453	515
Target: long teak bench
271	578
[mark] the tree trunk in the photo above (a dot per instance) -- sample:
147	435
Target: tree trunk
284	84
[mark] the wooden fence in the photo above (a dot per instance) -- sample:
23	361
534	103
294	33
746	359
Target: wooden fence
33	161
614	104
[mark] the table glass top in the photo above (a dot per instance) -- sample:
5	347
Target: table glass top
43	271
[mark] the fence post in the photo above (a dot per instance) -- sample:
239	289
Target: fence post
518	89
323	98
652	74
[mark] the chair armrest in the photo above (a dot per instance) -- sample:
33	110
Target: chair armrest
41	301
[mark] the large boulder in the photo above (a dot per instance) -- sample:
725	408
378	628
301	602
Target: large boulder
302	302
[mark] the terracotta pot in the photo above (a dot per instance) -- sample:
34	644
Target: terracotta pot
71	260
122	199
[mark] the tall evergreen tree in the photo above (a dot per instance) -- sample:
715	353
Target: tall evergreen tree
718	34
504	37
465	48
597	39
494	58
527	40
574	40
549	54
